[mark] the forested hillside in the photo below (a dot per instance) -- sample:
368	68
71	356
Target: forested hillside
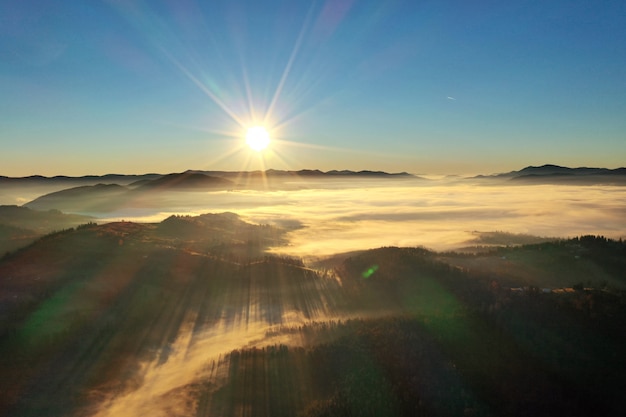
192	317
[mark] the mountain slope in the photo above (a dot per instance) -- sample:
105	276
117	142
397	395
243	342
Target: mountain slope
83	199
20	226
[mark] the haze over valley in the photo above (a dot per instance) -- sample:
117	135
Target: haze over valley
340	211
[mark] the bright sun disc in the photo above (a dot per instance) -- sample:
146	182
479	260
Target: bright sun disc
257	138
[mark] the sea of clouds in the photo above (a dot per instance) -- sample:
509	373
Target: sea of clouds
328	218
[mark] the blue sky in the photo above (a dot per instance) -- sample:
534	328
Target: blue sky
94	87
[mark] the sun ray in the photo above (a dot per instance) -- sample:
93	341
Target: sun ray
231	153
247	174
263	174
205	90
276	154
287	70
311	146
203	128
246	83
228	133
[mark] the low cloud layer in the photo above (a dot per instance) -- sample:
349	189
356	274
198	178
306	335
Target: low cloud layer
441	216
338	216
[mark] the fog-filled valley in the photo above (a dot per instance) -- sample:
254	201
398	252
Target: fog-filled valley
340	211
312	294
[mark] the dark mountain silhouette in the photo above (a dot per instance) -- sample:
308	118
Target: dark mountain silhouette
83	199
185	181
39	221
303	173
20	226
106	197
67	181
37	185
218	228
369	174
198	179
555	174
101	198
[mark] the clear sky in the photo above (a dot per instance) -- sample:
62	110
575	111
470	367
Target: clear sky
440	86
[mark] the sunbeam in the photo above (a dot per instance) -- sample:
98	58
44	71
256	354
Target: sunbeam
205	90
249	95
289	64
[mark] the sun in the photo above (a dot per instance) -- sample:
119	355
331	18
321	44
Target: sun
257	138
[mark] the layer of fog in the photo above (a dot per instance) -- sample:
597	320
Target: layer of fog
438	215
166	388
443	218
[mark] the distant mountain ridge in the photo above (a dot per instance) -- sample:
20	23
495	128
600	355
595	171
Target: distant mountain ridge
549	169
106	197
123	179
555	174
120	179
185	180
83	198
133	180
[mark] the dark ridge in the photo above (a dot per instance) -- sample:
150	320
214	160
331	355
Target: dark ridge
79	192
83	180
20	226
187	180
134	179
549	173
368	173
301	173
550	169
25	217
79	199
309	172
